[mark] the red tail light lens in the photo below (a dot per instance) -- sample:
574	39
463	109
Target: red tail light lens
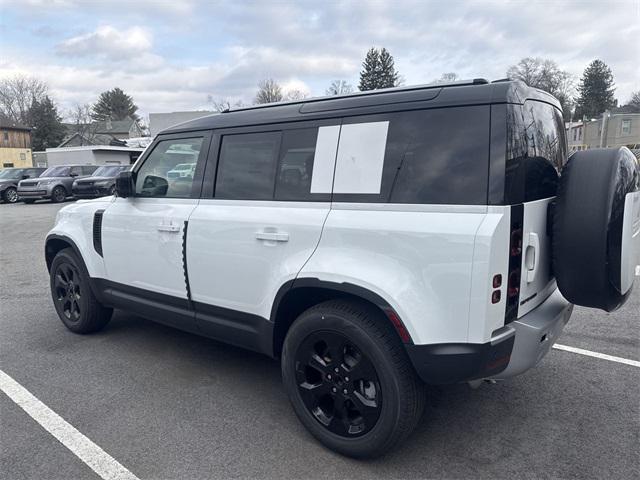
495	296
516	242
513	288
497	281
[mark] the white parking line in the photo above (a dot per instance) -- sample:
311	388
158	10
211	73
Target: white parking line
602	356
97	459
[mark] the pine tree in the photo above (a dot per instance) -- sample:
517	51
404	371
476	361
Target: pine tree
388	75
595	90
48	131
378	71
370	71
114	105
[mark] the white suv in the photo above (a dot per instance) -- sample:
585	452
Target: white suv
373	242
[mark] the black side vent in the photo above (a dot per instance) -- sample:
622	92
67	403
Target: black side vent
97	231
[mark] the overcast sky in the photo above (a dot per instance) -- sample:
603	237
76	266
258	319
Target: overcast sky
172	55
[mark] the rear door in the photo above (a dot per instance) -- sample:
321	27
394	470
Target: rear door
264	220
543	159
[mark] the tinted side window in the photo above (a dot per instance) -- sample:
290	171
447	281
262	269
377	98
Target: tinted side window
437	156
536	151
76	171
89	169
162	173
247	166
295	166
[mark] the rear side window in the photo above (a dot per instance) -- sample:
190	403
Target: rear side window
89	169
247	167
296	166
437	156
536	151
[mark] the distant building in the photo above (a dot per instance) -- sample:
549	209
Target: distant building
15	144
161	121
92	155
109	132
609	131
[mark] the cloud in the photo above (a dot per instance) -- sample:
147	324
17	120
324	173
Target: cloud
109	42
172	55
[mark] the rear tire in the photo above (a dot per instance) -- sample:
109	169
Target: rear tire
75	303
59	194
349	379
10	195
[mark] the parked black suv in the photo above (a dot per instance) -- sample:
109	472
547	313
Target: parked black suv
9	178
100	184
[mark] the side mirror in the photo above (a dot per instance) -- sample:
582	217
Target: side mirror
73	174
125	184
24	177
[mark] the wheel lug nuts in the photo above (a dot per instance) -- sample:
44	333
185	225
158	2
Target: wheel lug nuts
334	389
336	370
346	379
328	376
345	391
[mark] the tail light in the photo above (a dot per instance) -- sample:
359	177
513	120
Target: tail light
515	260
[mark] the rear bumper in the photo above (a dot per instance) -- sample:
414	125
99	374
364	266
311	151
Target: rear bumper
515	348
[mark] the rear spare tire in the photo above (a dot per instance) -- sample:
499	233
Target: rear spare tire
596	224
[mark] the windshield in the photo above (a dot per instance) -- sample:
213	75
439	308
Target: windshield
11	173
109	170
56	172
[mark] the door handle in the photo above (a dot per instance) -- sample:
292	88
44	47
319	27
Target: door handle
273	236
531	256
168	227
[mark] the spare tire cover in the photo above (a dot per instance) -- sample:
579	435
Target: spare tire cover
596	227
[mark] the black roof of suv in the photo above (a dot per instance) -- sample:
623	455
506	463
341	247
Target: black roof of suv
472	92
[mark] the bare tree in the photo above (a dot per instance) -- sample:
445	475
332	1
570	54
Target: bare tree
268	91
293	95
82	122
448	77
546	75
18	93
224	104
339	87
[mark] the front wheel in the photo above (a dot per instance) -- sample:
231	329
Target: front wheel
75	303
59	194
349	379
10	195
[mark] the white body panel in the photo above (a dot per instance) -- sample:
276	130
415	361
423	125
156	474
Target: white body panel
142	243
419	258
536	282
241	252
75	221
630	255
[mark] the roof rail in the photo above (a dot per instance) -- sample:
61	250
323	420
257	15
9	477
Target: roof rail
459	83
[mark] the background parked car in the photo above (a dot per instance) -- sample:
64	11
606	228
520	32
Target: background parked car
9	178
55	183
100	184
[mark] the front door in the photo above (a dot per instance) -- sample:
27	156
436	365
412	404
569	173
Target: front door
142	235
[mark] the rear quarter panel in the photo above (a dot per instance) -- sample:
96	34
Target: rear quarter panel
419	258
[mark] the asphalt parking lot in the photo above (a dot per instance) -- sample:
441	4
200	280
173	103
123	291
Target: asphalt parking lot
171	405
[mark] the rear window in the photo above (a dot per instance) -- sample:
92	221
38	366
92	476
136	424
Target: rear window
536	151
437	156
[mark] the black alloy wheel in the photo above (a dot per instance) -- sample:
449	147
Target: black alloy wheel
10	195
338	384
68	291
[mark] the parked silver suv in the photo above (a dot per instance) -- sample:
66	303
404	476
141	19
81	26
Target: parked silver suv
54	184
